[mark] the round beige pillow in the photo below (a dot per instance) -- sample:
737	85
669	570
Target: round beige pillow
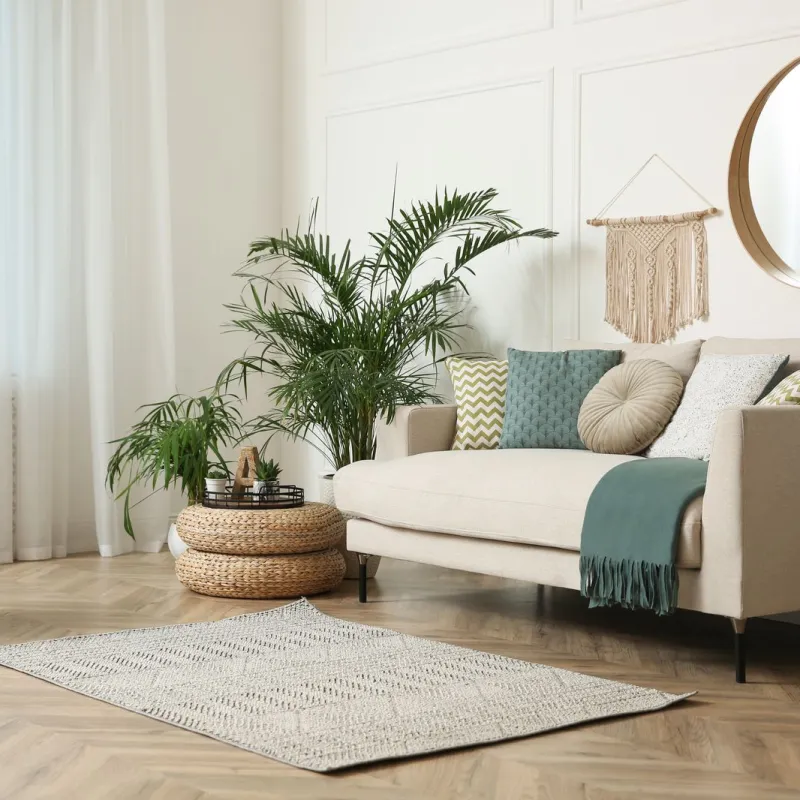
629	407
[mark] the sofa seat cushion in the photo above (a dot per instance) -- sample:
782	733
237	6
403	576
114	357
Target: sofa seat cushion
534	496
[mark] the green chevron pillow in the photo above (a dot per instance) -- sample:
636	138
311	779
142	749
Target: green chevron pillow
545	394
480	389
786	393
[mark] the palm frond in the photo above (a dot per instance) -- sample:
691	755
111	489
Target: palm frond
369	339
174	444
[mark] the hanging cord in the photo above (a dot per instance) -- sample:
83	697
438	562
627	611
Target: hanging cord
639	172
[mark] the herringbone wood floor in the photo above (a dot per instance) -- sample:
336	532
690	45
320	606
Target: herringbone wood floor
730	742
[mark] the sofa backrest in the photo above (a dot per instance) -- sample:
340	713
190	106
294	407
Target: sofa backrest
724	346
681	357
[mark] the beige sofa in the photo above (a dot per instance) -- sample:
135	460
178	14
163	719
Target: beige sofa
518	513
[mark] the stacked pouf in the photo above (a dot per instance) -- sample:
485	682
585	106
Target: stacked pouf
273	553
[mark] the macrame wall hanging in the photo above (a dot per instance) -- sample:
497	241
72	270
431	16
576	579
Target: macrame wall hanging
656	269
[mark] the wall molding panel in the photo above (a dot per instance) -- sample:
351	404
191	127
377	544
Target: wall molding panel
580	73
545	115
544	78
589	10
437	44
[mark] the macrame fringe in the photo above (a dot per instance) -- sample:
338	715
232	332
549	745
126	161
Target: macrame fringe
630	584
656	274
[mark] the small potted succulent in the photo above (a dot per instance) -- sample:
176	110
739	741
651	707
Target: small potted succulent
217	480
266	480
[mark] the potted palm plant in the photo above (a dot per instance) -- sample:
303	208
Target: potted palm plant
177	443
368	334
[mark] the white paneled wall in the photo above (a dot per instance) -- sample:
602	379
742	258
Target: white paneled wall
444	145
223	104
555	103
361	33
687	107
587	10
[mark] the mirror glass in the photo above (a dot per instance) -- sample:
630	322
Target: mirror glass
764	177
775	169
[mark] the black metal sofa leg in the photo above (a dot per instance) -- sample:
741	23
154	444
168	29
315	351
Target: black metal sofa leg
740	649
362	577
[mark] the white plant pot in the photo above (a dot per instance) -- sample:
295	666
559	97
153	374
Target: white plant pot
266	487
326	488
327	496
176	545
216	484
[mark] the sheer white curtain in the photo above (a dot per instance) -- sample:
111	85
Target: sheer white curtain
86	329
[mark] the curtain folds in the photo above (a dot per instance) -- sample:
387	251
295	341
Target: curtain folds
86	322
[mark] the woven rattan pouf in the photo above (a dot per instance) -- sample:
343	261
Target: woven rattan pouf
285	552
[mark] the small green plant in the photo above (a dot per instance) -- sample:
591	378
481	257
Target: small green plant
268	470
173	445
215	473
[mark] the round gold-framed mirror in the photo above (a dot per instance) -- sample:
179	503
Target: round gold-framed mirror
764	177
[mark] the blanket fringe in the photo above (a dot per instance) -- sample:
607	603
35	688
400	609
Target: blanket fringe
630	584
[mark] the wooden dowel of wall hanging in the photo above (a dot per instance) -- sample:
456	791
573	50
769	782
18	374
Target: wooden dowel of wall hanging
689	216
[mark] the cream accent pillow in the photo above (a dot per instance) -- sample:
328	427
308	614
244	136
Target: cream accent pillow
718	382
480	390
630	406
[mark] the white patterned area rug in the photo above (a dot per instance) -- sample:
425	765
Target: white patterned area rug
321	693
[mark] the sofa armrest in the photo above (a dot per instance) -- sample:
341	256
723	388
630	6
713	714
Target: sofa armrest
751	511
416	429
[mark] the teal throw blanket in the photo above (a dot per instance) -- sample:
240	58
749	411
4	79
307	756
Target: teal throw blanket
630	532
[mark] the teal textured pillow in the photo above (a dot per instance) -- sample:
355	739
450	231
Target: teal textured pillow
545	393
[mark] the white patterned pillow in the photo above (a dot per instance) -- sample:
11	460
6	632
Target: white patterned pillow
718	382
786	393
480	389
